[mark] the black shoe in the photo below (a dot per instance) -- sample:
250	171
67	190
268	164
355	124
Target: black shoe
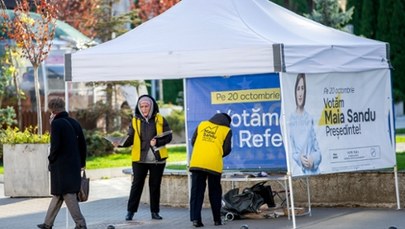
198	223
129	216
217	223
156	215
44	226
81	227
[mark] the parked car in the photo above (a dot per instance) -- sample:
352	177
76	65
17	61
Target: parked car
54	83
54	73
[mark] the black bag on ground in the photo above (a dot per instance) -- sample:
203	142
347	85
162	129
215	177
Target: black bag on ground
265	192
241	203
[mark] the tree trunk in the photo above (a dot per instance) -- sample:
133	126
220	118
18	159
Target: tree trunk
108	116
38	99
18	93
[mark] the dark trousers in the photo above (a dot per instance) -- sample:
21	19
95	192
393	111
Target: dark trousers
140	171
198	185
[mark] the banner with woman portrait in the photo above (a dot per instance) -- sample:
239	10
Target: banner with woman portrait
338	122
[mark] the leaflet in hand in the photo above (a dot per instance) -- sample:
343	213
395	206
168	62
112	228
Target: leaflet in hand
117	140
163	134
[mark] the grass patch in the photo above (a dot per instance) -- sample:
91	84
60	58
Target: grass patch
177	166
122	158
400	138
400	131
401	161
177	154
108	161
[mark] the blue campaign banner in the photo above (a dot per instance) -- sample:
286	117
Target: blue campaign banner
254	104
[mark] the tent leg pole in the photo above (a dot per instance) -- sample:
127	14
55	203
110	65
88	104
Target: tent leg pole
396	186
67	218
309	197
287	197
187	140
291	200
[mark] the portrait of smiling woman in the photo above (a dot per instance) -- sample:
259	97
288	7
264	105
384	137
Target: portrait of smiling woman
303	143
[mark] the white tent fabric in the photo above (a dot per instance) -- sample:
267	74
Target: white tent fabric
198	38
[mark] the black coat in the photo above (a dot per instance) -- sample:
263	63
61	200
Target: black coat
67	155
148	130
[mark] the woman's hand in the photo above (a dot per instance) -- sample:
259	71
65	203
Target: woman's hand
115	144
307	161
153	142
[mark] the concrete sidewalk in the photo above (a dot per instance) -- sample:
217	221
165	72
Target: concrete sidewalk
107	206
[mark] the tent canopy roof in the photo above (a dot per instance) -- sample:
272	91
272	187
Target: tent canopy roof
197	38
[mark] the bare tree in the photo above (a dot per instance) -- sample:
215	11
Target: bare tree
33	33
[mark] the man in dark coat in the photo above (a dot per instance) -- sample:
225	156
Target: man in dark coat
66	160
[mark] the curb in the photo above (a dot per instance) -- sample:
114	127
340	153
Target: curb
96	174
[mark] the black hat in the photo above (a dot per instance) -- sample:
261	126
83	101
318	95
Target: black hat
227	116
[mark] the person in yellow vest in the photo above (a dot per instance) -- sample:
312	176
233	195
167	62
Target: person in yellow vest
148	134
211	142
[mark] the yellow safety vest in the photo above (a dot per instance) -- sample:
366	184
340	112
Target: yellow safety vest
136	147
207	150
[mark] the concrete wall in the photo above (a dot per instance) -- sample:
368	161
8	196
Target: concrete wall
361	189
368	189
26	170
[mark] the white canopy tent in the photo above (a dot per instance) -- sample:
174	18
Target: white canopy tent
198	38
205	38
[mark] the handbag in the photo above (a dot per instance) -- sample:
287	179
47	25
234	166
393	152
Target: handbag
83	194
